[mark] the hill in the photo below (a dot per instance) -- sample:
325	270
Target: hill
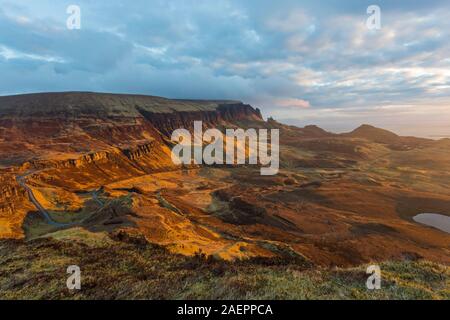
101	162
388	138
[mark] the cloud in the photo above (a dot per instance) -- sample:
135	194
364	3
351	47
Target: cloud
11	54
293	103
291	21
298	57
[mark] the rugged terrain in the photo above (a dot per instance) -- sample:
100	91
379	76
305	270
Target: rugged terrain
127	267
90	170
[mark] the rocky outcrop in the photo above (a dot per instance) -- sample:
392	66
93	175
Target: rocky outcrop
138	152
79	123
13	207
112	156
166	123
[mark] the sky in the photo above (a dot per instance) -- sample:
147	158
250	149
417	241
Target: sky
301	62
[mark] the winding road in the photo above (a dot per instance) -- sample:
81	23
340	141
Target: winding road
96	199
21	180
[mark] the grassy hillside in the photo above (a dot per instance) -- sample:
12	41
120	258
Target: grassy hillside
126	267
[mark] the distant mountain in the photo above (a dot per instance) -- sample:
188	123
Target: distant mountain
374	134
386	137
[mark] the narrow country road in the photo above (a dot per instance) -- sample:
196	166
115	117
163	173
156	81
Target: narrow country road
96	199
21	180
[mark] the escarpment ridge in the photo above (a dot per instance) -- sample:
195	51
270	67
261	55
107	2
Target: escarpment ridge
69	124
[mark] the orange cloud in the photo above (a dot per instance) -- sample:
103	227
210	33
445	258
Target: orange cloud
293	103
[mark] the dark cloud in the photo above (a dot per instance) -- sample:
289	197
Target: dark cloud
318	53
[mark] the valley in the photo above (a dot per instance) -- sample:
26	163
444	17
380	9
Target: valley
94	170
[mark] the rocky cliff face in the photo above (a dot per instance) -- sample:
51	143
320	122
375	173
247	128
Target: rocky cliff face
166	123
14	205
61	125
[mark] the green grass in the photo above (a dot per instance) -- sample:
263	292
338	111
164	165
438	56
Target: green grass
36	226
113	269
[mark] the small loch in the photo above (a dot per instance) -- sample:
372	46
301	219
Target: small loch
438	221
